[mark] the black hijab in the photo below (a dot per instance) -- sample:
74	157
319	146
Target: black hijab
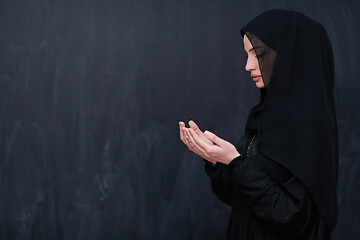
295	120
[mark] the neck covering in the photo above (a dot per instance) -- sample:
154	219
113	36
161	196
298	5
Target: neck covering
295	120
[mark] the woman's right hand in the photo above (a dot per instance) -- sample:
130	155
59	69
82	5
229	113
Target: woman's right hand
197	130
207	145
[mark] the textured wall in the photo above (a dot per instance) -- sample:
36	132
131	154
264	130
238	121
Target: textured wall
91	93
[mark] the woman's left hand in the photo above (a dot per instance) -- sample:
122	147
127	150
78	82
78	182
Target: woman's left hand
213	148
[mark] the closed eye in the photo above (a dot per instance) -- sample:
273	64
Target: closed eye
259	55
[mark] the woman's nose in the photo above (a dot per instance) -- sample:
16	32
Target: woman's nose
250	65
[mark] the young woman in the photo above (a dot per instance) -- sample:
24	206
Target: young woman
281	177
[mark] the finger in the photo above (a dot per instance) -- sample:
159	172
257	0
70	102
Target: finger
194	126
181	124
196	148
197	130
188	141
185	137
212	137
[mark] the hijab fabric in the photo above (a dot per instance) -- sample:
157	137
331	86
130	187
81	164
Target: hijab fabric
295	120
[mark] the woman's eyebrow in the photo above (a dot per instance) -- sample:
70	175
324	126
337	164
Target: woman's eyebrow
256	47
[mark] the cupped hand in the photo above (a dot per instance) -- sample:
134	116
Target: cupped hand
206	144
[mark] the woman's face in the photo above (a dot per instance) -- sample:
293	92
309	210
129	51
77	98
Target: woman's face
252	63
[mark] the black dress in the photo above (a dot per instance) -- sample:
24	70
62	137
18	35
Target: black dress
268	202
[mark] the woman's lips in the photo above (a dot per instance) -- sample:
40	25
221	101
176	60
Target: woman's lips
256	78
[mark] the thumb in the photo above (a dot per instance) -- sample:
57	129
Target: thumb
212	137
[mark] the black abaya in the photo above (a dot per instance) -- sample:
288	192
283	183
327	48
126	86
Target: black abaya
268	202
295	120
283	184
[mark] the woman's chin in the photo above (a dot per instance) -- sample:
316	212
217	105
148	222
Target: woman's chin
260	84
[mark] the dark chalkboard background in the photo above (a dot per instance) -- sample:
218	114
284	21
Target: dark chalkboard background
91	93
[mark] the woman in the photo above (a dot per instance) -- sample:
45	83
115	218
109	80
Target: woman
281	177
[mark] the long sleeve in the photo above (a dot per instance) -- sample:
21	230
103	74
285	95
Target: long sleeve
284	202
221	181
220	174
